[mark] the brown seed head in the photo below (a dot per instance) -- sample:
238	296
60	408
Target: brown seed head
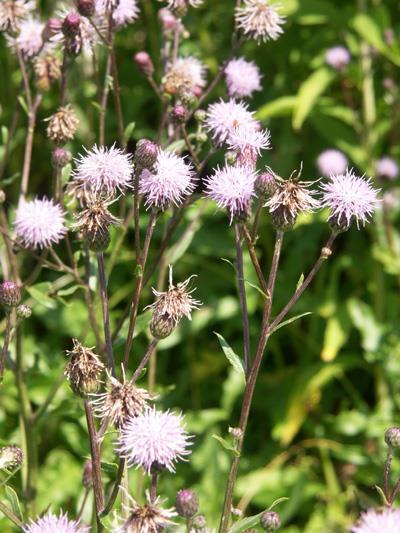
62	125
83	369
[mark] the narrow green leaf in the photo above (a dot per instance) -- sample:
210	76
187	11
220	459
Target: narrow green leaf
369	30
23	104
277	108
277	502
290	320
109	468
232	357
40	293
226	445
129	130
246	523
300	282
309	92
176	146
257	288
382	495
4	134
12	497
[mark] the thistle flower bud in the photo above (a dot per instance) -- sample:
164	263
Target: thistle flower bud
325	252
167	19
60	157
83	369
10	457
236	433
53	26
146	154
187	503
270	521
199	522
86	8
200	115
62	125
179	114
98	241
144	63
201	137
71	25
265	185
10	294
87	478
392	437
24	311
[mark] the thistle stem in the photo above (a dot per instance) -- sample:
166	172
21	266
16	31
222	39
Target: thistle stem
386	473
145	360
242	297
153	487
10	515
95	454
105	310
7	337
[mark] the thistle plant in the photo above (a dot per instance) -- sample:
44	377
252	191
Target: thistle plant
115	214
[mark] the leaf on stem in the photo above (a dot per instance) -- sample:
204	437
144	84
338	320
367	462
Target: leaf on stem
12	497
227	445
290	320
232	357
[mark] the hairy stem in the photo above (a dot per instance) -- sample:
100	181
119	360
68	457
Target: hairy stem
106	314
7	337
242	297
95	454
145	360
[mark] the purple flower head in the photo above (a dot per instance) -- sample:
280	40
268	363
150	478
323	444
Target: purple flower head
332	162
349	198
223	118
103	170
50	523
242	78
387	168
123	11
86	39
232	188
259	20
29	38
247	143
12	12
39	223
170	182
154	438
337	57
374	521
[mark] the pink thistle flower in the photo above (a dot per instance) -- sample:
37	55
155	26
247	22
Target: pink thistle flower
247	143
154	438
242	78
259	20
170	182
373	521
175	4
332	162
123	11
12	12
223	118
191	68
349	198
232	188
387	167
103	170
39	223
86	39
50	523
337	57
29	39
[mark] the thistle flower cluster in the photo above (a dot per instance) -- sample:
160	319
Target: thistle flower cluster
50	523
243	78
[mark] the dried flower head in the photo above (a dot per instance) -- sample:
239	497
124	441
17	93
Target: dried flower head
180	7
47	67
223	118
120	402
290	198
232	188
123	11
332	162
185	75
94	221
11	457
170	182
39	223
171	306
247	144
62	125
149	518
154	437
29	39
10	293
337	57
387	168
350	198
373	521
259	20
50	523
242	78
13	12
83	369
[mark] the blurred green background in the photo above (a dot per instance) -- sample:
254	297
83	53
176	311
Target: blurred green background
329	382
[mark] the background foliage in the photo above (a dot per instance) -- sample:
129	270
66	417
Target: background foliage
329	383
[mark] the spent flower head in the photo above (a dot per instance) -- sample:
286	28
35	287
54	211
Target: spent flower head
29	39
13	12
186	74
39	223
102	170
350	198
291	197
149	518
154	437
374	521
62	125
171	180
83	369
232	188
259	20
51	523
11	457
242	78
332	162
120	402
224	118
